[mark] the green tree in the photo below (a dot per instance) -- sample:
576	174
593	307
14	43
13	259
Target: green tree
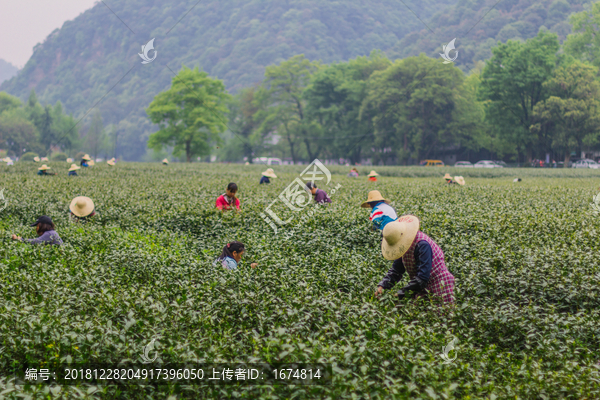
335	97
96	137
512	84
584	42
569	119
8	102
189	114
414	105
244	122
17	133
283	90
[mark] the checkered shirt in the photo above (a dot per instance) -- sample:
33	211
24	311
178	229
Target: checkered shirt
441	281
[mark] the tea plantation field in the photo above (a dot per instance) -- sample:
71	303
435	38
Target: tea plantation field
526	257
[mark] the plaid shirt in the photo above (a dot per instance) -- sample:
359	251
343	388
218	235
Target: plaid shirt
441	281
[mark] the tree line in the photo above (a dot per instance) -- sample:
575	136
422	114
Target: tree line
531	98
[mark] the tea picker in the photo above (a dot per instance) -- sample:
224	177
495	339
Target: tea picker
231	256
416	253
269	173
381	211
228	200
45	230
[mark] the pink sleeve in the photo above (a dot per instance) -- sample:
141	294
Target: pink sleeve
220	202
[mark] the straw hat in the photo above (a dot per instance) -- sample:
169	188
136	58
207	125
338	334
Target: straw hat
269	173
110	162
36	159
460	180
69	160
372	173
91	163
7	159
165	161
374	195
43	167
74	168
447	176
82	206
44	158
86	157
398	236
113	159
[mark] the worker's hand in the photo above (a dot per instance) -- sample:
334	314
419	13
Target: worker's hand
15	237
379	291
254	265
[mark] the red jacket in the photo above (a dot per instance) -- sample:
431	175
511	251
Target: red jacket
222	203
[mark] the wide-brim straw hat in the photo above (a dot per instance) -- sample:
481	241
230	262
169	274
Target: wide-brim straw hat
374	195
91	163
113	159
447	176
460	180
82	206
74	168
372	173
165	161
7	159
69	160
398	236
110	162
269	173
86	157
36	159
43	167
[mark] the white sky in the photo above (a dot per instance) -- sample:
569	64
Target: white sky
25	23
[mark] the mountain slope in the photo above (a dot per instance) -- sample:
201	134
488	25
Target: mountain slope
231	39
7	70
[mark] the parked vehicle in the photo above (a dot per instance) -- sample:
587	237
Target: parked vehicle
268	161
463	164
501	163
431	163
586	163
486	164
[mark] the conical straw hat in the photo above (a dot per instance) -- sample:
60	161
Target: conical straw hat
398	236
460	180
269	173
372	173
82	206
69	160
74	168
447	176
36	159
110	162
86	157
91	163
43	167
374	195
165	161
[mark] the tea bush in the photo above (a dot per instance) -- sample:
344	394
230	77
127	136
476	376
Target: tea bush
525	258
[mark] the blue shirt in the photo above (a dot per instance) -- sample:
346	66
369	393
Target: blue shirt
72	173
423	263
228	263
264	179
382	214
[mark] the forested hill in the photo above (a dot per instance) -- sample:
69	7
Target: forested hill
478	25
7	70
234	40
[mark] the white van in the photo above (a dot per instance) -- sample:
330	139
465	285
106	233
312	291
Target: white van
268	161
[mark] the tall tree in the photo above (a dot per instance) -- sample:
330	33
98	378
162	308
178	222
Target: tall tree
584	42
335	97
283	90
244	121
512	85
96	136
190	114
413	102
569	119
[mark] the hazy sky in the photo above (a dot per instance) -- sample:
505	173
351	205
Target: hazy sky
25	23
